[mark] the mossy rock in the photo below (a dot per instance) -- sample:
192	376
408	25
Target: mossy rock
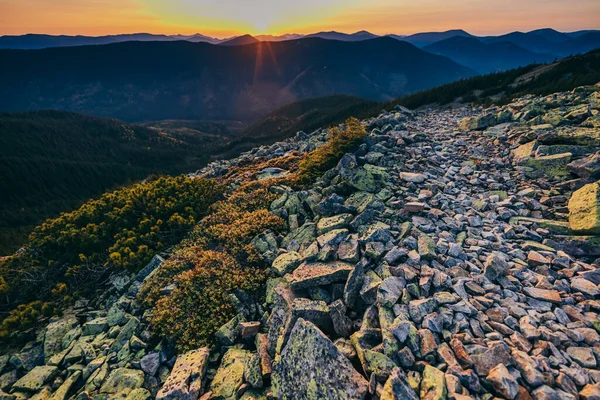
554	166
433	385
230	375
584	210
572	135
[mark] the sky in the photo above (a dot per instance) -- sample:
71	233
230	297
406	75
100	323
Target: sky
224	18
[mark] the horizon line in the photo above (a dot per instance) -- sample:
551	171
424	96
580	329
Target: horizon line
291	33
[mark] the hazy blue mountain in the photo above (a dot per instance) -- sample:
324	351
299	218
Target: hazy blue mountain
486	57
35	41
551	42
426	38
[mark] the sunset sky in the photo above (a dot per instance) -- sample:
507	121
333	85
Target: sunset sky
222	18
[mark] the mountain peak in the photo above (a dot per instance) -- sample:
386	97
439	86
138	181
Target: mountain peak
240	41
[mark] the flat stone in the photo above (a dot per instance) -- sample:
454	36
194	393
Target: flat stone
94	327
35	379
186	378
335	222
414	207
584	356
584	286
311	366
552	296
318	274
249	329
412	177
122	381
286	263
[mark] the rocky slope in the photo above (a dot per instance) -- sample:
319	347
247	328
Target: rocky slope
451	256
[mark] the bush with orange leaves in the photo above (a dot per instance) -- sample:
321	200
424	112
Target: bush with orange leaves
199	305
214	260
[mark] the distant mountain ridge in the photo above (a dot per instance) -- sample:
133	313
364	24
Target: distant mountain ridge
486	57
544	40
139	81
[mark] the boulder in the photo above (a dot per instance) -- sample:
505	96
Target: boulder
318	274
230	375
311	366
553	166
35	379
186	379
122	381
503	382
584	210
587	167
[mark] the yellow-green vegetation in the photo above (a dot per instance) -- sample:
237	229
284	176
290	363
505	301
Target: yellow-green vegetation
214	260
341	140
218	256
68	255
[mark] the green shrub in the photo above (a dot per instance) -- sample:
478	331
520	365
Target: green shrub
341	141
215	259
121	229
200	304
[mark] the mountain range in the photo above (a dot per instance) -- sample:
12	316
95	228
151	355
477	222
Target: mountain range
138	81
545	40
483	54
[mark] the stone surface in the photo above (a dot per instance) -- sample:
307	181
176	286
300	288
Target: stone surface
186	378
318	274
584	210
312	367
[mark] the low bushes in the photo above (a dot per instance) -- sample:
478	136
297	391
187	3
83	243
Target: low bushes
341	141
121	229
214	260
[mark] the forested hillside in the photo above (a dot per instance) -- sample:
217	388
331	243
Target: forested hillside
52	161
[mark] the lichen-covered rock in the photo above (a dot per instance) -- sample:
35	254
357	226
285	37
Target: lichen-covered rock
397	387
311	367
62	392
187	377
286	263
230	375
524	152
433	385
35	379
584	210
122	381
55	332
554	166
